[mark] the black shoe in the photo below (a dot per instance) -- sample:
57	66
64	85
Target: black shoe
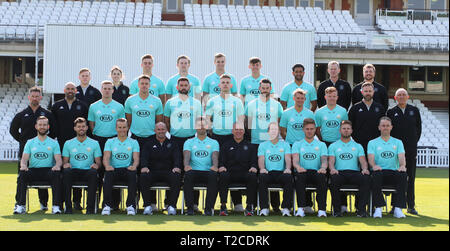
337	214
77	206
90	211
413	211
208	212
276	210
68	212
362	214
190	211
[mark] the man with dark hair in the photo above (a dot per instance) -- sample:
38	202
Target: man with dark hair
183	65
286	98
249	89
156	87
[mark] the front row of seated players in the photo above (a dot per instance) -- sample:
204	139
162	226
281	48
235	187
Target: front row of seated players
346	163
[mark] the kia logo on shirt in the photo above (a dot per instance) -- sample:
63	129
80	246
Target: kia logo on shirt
183	115
216	89
274	157
332	123
265	116
201	154
255	92
297	126
225	113
346	156
387	155
40	155
106	118
81	157
121	156
309	156
143	113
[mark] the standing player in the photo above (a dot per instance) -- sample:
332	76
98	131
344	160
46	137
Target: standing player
85	91
183	64
329	117
386	155
121	91
274	161
201	164
121	158
157	87
291	123
249	89
343	87
407	125
81	160
380	93
211	83
309	158
344	156
41	161
286	98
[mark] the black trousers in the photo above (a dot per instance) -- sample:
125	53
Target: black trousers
392	178
349	177
246	178
318	180
194	177
120	176
142	141
76	192
148	179
276	177
274	195
40	175
411	166
88	177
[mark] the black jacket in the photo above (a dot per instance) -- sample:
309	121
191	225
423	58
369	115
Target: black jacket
65	117
92	95
380	95
406	126
365	122
121	93
238	156
157	157
344	93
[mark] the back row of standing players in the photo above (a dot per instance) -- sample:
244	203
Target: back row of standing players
256	107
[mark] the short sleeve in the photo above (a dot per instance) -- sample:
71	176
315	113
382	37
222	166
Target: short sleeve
284	119
66	152
280	110
91	115
27	148
312	94
187	145
318	119
234	83
295	148
287	148
401	148
56	148
135	146
127	107
108	146
215	146
134	87
121	112
169	86
161	87
331	150
167	109
371	148
97	150
159	110
240	107
205	87
361	151
261	150
209	108
323	149
242	88
284	93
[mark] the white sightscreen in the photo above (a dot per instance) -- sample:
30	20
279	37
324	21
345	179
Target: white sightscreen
67	49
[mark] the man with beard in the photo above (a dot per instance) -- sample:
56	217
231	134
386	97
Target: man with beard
85	91
81	160
23	128
41	161
380	93
287	98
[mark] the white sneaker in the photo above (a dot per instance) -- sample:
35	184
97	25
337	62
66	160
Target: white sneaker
300	212
56	210
238	208
322	213
264	212
171	211
43	208
154	208
378	213
285	212
106	210
344	209
131	210
19	209
308	210
148	210
398	213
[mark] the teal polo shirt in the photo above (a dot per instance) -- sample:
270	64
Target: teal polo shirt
293	122
81	154
121	152
347	155
274	155
386	153
250	87
224	113
201	152
105	116
288	89
182	115
211	84
310	153
156	86
262	115
42	153
171	87
143	114
329	122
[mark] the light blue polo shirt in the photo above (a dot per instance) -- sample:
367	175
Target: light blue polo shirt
156	86
211	84
171	87
329	122
81	154
105	116
293	122
250	87
347	155
41	152
288	89
121	152
201	152
386	153
182	115
310	153
143	114
262	114
274	155
224	113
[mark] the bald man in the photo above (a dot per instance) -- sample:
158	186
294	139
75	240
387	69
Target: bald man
407	126
161	161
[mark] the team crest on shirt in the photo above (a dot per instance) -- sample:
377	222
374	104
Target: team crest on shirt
395	147
78	107
49	148
302	149
124	92
281	150
411	113
136	106
151	106
341	87
208	146
353	149
88	149
169	145
377	109
154	86
338	116
194	147
325	118
129	148
115	149
74	150
316	148
245	148
113	111
379	148
33	149
339	149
